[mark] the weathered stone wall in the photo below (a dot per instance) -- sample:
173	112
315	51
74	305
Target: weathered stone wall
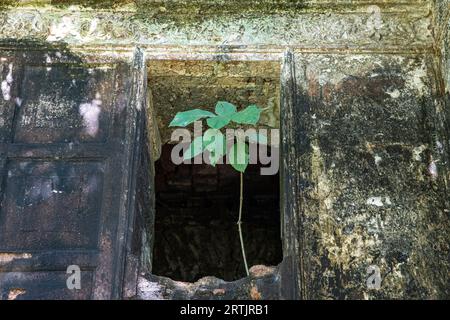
368	122
263	283
376	174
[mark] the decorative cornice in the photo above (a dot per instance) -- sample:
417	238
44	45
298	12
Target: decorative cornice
370	30
221	6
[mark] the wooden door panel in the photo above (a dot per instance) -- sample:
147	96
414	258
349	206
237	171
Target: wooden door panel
77	109
51	204
67	147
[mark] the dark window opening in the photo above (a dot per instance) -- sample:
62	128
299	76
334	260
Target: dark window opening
196	206
195	223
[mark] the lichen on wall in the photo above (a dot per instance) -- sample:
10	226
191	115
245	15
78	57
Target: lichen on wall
209	23
377	175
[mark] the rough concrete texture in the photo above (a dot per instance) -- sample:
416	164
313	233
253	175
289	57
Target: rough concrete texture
262	284
376	174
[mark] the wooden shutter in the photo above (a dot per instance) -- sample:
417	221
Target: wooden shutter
69	139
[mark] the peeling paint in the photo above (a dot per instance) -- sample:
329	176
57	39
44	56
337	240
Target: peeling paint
149	290
375	201
219	292
417	151
48	60
415	79
377	159
14	293
394	94
6	83
388	201
254	293
90	113
8	257
432	169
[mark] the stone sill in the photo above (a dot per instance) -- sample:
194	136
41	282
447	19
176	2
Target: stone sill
263	283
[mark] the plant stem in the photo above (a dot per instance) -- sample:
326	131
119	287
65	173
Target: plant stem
239	223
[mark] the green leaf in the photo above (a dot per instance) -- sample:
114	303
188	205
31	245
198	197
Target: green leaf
185	118
225	109
214	141
257	138
194	149
211	137
249	115
238	156
214	157
218	122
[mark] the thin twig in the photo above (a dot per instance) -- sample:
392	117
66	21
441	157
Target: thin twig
239	223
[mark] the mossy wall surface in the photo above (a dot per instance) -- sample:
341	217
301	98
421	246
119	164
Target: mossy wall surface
369	127
375	171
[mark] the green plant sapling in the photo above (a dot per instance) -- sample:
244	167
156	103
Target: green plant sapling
218	145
